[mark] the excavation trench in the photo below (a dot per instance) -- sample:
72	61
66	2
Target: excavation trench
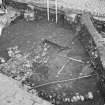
59	77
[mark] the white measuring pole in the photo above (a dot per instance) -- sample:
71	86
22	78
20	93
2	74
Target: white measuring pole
48	12
0	2
56	10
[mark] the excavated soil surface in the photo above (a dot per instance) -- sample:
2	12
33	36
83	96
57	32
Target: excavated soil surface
24	34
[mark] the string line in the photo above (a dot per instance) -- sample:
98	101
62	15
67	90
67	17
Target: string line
67	80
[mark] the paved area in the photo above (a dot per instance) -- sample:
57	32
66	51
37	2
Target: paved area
11	93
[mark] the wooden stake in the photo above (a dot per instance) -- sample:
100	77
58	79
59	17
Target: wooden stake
62	68
56	9
48	11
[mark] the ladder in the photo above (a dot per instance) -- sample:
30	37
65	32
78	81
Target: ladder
48	10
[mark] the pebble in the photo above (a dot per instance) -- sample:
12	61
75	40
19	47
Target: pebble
72	43
37	57
43	54
92	53
45	59
82	98
2	60
10	52
45	49
59	85
67	99
78	96
50	96
90	95
74	99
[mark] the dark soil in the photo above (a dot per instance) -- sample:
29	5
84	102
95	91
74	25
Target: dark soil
24	34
